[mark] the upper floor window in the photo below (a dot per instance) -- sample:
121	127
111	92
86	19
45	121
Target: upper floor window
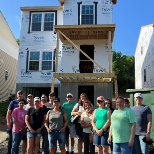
87	14
42	21
41	60
6	75
141	50
145	75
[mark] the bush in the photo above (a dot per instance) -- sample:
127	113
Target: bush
3	108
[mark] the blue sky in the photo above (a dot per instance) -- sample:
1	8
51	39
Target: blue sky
128	15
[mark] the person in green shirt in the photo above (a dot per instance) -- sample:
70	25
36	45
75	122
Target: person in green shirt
70	130
100	123
122	129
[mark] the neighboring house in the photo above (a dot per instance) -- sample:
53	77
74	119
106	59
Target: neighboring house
67	48
144	58
8	60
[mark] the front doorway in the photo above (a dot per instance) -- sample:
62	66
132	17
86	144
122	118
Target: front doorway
85	65
89	90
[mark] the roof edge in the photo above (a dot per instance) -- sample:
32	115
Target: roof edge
40	8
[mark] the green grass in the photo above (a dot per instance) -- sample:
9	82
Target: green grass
3	108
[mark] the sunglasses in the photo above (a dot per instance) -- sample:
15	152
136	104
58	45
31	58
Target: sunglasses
51	95
69	96
107	102
100	101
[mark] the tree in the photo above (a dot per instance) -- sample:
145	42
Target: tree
124	68
18	41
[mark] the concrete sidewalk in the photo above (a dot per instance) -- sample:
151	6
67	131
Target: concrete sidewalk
3	136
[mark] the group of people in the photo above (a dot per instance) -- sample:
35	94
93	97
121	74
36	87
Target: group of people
122	129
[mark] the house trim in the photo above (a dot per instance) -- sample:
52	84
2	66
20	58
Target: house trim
41	8
85	32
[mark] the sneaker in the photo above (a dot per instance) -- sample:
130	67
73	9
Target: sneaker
67	152
72	152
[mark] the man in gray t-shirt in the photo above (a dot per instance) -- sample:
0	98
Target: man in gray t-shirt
143	126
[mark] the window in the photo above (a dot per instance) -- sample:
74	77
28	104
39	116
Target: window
41	60
42	21
47	61
144	73
34	61
87	14
6	75
141	50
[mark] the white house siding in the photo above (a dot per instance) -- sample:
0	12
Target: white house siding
70	12
35	41
144	58
8	60
70	56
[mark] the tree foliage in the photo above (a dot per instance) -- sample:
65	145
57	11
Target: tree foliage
124	68
18	41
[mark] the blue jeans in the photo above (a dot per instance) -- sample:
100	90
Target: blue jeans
9	131
45	143
16	139
122	148
139	146
55	136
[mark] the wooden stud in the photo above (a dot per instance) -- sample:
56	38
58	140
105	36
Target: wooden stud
109	52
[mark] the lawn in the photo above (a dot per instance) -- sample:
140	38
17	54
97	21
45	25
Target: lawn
3	108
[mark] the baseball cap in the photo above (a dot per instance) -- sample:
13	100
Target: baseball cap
29	95
100	98
52	94
138	95
69	94
36	99
19	91
57	100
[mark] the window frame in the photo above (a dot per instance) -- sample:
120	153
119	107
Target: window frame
52	60
145	74
42	21
87	14
41	60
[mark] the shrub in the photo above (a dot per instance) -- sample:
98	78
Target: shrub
3	108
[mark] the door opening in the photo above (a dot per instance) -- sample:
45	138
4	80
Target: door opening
85	65
89	90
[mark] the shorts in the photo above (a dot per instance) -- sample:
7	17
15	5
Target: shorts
70	130
122	148
78	130
101	140
24	136
33	135
55	136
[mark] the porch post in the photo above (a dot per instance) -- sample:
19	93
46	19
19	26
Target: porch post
116	87
109	52
56	62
